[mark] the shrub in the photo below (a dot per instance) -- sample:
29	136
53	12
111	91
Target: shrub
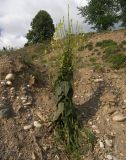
117	60
111	50
106	43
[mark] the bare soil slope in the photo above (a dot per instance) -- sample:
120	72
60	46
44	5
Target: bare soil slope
28	102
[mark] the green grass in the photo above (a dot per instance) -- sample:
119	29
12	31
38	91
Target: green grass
110	51
118	60
106	43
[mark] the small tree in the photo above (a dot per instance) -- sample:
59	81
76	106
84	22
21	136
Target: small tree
42	28
100	13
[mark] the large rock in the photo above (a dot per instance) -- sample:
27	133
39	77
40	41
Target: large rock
119	118
9	77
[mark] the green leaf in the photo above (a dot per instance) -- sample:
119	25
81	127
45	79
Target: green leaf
58	112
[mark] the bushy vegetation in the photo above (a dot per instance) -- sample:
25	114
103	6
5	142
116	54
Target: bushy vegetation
118	60
111	50
112	53
106	43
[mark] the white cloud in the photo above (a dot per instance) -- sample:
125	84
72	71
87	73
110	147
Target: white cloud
16	16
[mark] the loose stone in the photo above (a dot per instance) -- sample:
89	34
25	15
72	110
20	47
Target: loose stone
98	80
119	118
37	124
9	83
101	144
109	157
108	143
9	77
27	127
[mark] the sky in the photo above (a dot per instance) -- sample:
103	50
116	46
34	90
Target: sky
16	16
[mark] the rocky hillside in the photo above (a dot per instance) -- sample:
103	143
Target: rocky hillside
27	100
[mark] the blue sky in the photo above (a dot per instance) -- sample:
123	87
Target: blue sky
16	16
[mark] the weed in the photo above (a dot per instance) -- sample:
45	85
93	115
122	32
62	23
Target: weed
65	117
